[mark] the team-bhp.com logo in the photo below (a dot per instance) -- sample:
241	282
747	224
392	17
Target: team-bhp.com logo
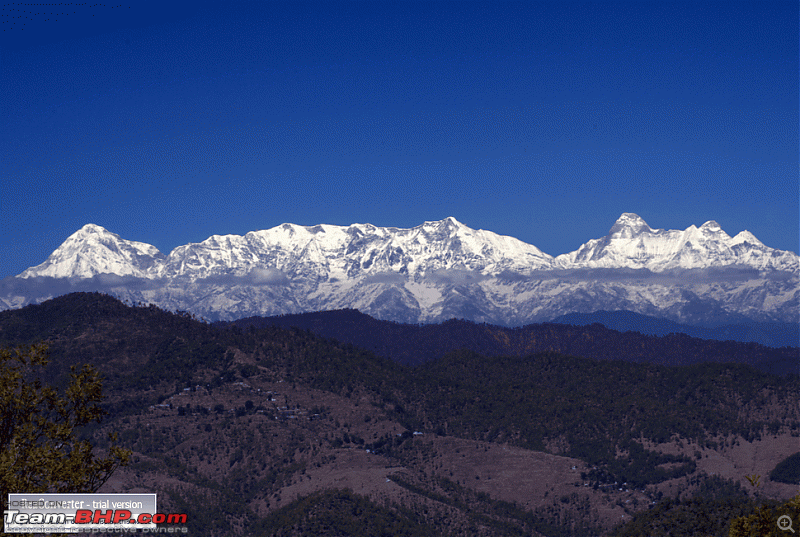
85	516
88	513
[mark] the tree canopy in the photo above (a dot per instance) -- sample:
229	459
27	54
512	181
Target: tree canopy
40	447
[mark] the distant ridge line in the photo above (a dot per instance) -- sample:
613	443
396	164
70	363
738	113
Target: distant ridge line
414	344
773	334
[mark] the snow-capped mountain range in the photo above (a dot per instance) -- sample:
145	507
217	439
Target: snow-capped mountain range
434	271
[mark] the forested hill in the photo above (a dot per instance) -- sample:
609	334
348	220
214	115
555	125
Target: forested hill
415	344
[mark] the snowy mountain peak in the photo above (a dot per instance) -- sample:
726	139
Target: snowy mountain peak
89	229
746	237
713	229
92	232
628	225
446	224
330	252
433	271
94	250
631	243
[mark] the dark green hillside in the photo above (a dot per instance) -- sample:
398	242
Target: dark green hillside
340	512
699	517
100	330
597	407
143	347
255	431
787	471
708	512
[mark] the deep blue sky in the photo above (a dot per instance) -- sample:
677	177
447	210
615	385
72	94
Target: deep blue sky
168	122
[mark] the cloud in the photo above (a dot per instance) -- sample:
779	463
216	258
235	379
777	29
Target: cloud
455	277
47	286
44	286
257	277
267	276
110	281
508	276
732	274
386	277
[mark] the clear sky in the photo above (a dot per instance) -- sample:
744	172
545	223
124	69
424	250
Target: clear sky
167	122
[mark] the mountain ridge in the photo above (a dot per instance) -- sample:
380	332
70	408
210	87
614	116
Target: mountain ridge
768	334
431	272
629	235
412	344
